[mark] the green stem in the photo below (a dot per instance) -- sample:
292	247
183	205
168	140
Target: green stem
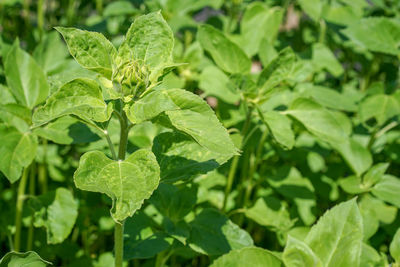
322	31
32	184
19	208
235	161
40	16
110	144
99	6
42	172
119	243
123	139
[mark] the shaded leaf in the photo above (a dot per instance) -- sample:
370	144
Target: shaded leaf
17	259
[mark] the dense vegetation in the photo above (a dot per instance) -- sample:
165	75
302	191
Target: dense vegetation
200	133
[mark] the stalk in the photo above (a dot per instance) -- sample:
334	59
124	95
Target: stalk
42	170
32	184
40	17
119	226
19	208
235	161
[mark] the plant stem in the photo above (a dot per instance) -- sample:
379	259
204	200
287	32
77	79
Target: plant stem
119	243
32	180
235	161
42	170
19	208
40	17
110	144
123	139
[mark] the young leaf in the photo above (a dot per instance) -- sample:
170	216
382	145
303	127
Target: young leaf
388	190
16	152
81	97
127	182
90	49
323	58
189	114
226	54
56	212
375	174
254	256
30	258
395	246
25	78
280	127
337	237
149	41
214	234
299	254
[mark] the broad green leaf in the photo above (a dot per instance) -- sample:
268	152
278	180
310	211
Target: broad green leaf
395	246
28	259
119	8
141	241
67	130
280	127
270	212
214	234
254	256
259	21
388	189
173	202
381	107
375	174
215	82
16	115
317	120
323	58
90	49
80	97
356	156
149	41
378	34
299	254
353	185
226	54
25	78
370	257
16	152
57	212
313	8
187	113
127	182
337	237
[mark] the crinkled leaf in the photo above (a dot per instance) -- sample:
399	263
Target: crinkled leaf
57	212
16	152
388	190
149	40
337	237
127	182
226	54
17	259
187	113
299	254
255	257
90	49
25	78
212	233
81	97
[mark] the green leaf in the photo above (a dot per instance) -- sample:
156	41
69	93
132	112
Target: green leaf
226	54
280	127
216	83
370	257
150	41
25	78
255	257
375	174
270	212
173	202
353	185
313	8
299	254
317	120
57	212
381	107
214	234
388	190
127	182
81	97
395	246
323	58
17	259
141	241
337	237
378	34
90	49
356	156
16	152
187	113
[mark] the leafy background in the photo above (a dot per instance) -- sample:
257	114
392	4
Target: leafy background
308	91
